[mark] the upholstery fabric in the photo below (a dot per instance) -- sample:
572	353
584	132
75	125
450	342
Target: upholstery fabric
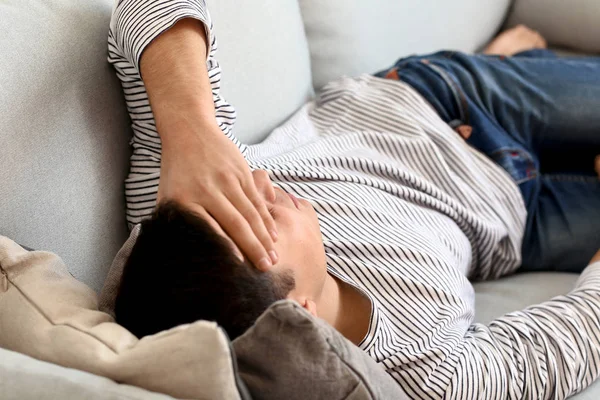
307	350
64	132
25	378
350	37
47	314
572	24
265	60
513	293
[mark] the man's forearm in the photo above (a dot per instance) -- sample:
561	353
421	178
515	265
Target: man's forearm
174	71
546	351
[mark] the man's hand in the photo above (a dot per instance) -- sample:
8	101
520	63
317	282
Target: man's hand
206	172
200	167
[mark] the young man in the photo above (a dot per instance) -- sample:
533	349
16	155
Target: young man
382	211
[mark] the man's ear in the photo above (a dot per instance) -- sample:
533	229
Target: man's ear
307	304
310	306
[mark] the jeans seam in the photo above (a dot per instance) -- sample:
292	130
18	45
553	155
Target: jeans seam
571	178
459	96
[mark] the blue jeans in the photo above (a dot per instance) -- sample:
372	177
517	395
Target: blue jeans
538	117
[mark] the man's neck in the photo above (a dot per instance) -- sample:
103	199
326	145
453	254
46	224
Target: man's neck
344	308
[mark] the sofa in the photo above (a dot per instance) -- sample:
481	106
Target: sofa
65	130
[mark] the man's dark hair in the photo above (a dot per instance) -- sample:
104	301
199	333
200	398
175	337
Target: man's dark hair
181	270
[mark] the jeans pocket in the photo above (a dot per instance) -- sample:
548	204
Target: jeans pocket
517	162
460	98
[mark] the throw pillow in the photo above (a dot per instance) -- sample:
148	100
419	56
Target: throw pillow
108	294
289	354
47	314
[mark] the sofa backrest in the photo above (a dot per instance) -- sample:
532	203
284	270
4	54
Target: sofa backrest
64	131
568	25
265	60
350	37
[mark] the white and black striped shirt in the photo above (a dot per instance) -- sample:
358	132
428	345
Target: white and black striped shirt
408	212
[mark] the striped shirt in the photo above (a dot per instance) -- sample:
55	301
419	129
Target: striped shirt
408	213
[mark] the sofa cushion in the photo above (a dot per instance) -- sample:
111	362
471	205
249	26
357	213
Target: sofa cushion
350	37
64	133
25	378
47	314
572	24
265	60
513	293
289	354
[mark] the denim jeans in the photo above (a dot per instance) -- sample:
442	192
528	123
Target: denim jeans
538	117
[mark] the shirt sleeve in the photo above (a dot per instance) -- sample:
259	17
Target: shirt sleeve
133	26
136	23
547	351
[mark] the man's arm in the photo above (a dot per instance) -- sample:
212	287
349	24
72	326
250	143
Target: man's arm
547	351
200	167
176	78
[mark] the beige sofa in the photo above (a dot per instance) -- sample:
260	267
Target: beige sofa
64	131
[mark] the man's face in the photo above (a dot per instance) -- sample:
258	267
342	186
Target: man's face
299	244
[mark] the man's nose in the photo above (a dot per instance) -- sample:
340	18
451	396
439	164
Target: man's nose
263	185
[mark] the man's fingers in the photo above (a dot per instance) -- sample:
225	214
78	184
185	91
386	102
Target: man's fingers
207	217
254	212
240	231
267	218
263	210
262	184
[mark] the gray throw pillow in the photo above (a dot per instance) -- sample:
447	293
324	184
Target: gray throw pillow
289	354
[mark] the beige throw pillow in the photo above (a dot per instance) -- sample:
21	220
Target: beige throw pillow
47	314
108	294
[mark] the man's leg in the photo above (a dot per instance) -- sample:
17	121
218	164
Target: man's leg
549	106
563	231
538	119
536	53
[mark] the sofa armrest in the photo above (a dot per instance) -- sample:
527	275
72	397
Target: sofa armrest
25	378
572	24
